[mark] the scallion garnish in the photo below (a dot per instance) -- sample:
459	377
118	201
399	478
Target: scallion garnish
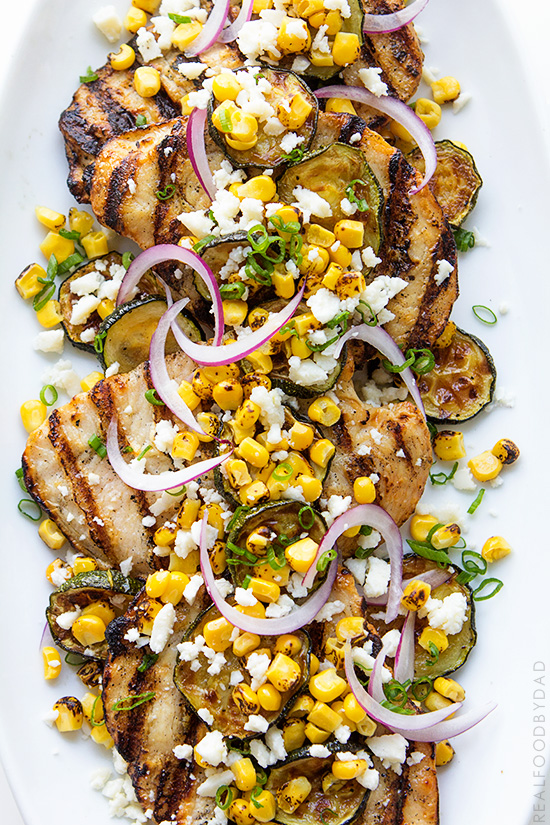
361	203
325	812
225	121
254	796
165	194
433	650
442	478
48	395
476	502
39	301
99	342
143	452
289	228
276	562
89	77
179	19
306	517
325	559
93	722
20	476
30	509
241	511
420	688
340	319
396	692
474	563
426	551
373	320
199	246
420	361
75	659
224	797
283	472
484	314
232	292
464	239
97	444
148	661
364	552
70	234
179	491
131	702
152	397
141	120
261	776
498	585
127	258
295	156
246	581
73	260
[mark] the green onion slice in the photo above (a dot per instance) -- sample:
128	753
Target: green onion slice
426	551
484	314
131	702
276	561
232	292
179	19
372	321
325	559
39	301
148	661
97	444
283	472
93	722
199	246
361	203
476	502
246	581
165	194
69	263
152	397
442	478
141	120
306	517
20	476
478	594
30	509
143	452
89	77
474	563
99	341
420	688
224	797
464	239
48	395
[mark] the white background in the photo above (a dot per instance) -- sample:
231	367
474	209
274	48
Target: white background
528	21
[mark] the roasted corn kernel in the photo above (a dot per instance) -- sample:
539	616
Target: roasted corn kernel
415	595
495	548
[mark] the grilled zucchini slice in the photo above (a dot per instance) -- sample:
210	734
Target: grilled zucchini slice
462	381
456	181
461	644
229	704
126	333
330	172
267	153
79	592
346	800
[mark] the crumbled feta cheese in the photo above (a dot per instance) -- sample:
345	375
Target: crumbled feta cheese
371	80
310	203
378	294
358	568
377	578
319	751
282	607
257	665
215	781
165	432
448	614
390	642
183	752
51	340
108	22
369	258
63	377
191	70
213	749
205	715
444	269
329	610
464	480
191	590
245	597
391	749
126	565
162	628
67	619
324	305
256	723
147	45
461	101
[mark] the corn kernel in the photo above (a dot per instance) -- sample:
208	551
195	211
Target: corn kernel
245	698
237	472
95	243
435	701
188	395
446	536
123	59
321	452
324	411
228	394
54	244
292	37
245	644
428	111
346	48
261	187
421	524
317	235
353	709
69	714
445	89
156	583
187	514
446	337
51	535
264	806
91	380
135	19
315	260
217	634
217	557
83	564
58	565
433	636
296	114
306	8
209	423
245	774
450	689
88	630
349	769
52	662
239	811
294	734
50	314
449	445
225	86
415	595
506	451
242	145
50	218
315	735
340	254
326	685
350	285
101	736
350	627
301	554
147	80
101	609
33	414
444	752
283	672
255	493
27	283
184	34
322	716
366	727
260	362
234	312
244	129
165	535
265	591
291	794
185	445
149	6
495	548
364	490
311	487
283	284
350	233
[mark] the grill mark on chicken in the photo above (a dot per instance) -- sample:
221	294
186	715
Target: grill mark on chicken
419	791
118	186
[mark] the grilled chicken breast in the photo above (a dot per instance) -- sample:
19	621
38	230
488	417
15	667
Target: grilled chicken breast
99	514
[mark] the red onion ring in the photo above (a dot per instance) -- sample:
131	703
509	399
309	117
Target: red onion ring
172	252
374	516
265	627
166	480
230	32
217	356
194	136
211	29
376	23
404	655
375	686
433	726
384	343
432	577
399	112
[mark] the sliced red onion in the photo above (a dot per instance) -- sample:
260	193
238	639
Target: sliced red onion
217	356
172	252
196	147
432	577
376	23
230	32
373	516
433	726
404	656
211	29
166	480
384	343
375	687
265	627
399	112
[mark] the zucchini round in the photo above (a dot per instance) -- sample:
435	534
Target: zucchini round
455	182
286	519
462	381
126	333
79	592
329	173
460	644
346	800
203	690
216	254
268	153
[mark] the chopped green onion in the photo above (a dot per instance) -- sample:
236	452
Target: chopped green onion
365	530
232	292
242	510
373	322
97	444
484	314
426	551
39	301
283	472
470	563
127	259
276	562
19	474
364	552
179	19
295	156
389	367
261	776
148	661
51	269
225	121
396	692
476	502
93	722
442	478
224	797
321	347
325	559
425	362
241	552
152	397
89	77
295	249
142	453
254	795
255	272
341	318
302	512
246	581
291	228
70	234
498	585
99	342
464	577
27	507
432	531
179	491
433	650
141	120
464	239
361	203
258	238
165	194
134	701
75	659
325	812
199	246
73	260
48	395
420	688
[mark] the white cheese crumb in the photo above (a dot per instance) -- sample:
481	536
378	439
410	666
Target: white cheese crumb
371	80
162	628
109	23
183	752
444	269
51	340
